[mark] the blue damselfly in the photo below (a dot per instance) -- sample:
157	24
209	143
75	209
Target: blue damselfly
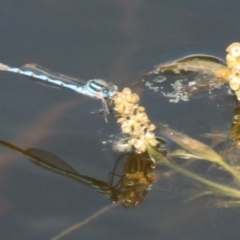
95	88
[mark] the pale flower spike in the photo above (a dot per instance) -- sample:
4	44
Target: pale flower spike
233	63
134	121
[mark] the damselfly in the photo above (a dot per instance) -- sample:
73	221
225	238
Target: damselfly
95	88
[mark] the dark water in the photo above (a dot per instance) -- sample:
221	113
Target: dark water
115	40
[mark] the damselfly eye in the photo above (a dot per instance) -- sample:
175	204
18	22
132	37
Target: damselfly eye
105	90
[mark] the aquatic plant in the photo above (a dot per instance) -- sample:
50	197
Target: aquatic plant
140	131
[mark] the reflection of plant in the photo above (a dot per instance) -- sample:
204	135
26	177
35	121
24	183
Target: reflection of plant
136	180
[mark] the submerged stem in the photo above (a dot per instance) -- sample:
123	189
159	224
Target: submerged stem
219	188
230	169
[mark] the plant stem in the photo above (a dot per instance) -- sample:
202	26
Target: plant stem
219	188
230	169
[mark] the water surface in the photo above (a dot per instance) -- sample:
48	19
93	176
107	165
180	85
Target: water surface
118	41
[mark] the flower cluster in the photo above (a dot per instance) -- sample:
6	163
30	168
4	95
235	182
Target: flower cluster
134	121
233	63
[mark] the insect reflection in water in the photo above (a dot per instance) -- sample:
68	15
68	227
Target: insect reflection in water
134	180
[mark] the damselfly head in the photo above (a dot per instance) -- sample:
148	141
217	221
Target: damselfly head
110	90
101	89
